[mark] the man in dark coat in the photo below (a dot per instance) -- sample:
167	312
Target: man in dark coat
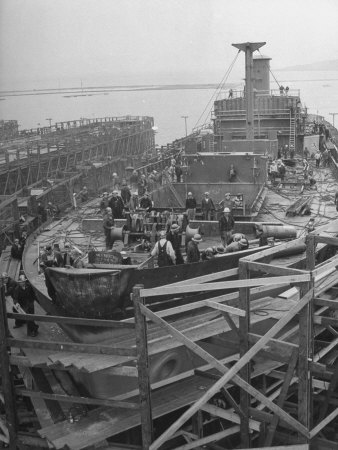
16	250
190	206
116	205
24	296
67	259
175	240
145	202
125	193
9	284
207	207
226	226
193	253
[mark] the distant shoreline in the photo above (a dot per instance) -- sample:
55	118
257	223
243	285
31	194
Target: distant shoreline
99	90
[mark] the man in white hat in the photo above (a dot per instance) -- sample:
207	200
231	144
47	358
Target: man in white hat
190	206
207	207
24	298
164	251
174	238
226	225
193	253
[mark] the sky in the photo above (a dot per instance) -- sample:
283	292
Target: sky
51	43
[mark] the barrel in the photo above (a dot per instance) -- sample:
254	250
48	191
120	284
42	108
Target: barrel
277	231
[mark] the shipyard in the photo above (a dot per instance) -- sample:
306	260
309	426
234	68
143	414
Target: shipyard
168	242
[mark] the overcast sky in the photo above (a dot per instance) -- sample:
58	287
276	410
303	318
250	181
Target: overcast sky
157	41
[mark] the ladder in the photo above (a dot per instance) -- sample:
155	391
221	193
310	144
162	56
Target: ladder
292	136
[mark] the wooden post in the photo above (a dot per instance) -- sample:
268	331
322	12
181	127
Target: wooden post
6	374
143	369
306	343
244	326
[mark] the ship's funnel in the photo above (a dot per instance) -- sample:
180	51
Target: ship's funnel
261	74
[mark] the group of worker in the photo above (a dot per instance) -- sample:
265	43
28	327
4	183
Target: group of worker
55	257
208	206
168	248
277	170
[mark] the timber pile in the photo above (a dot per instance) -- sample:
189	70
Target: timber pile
300	207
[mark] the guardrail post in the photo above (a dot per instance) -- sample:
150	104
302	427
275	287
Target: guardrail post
6	374
143	369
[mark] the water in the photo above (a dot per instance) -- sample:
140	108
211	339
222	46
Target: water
318	90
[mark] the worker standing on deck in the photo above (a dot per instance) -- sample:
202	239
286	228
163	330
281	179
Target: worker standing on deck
190	206
305	169
108	223
145	202
207	207
174	238
164	251
193	252
142	185
24	297
104	202
68	260
116	205
227	202
226	226
8	283
16	249
318	157
125	194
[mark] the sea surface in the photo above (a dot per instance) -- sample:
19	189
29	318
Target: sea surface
318	91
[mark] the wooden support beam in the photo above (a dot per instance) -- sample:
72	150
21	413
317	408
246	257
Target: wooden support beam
326	240
273	251
207	278
230	322
273	269
331	321
333	304
236	284
228	415
208	439
229	374
282	396
323	423
67	347
245	372
143	370
329	392
6	375
72	320
225	308
76	399
275	345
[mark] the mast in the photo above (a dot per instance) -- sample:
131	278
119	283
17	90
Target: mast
249	48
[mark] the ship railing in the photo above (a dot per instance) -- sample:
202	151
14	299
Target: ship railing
241	114
289	93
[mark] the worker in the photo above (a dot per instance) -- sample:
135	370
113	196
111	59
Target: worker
190	206
227	202
116	205
58	258
226	226
108	223
145	202
232	173
83	195
23	239
306	153
142	185
8	283
67	259
164	251
175	239
104	202
125	194
193	253
52	210
236	246
42	213
273	171
208	254
281	169
208	207
16	249
115	181
318	157
24	298
305	169
77	261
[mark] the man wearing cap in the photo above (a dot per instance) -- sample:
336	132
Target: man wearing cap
8	283
67	259
193	253
227	202
24	297
116	205
174	238
108	223
164	251
226	226
104	202
16	249
125	193
207	207
190	206
236	246
145	202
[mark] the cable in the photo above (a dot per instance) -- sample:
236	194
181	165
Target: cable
219	87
